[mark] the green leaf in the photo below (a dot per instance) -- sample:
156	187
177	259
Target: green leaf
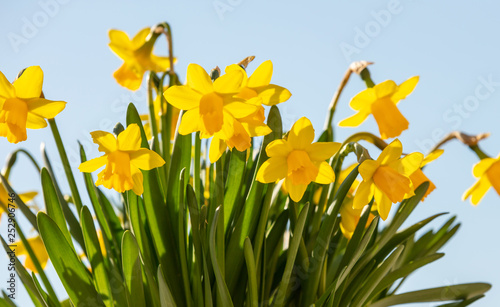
68	266
253	290
281	298
441	294
166	297
235	178
132	270
94	255
30	216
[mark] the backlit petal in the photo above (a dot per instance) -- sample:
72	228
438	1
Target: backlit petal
137	179
389	119
391	153
273	169
386	88
160	63
35	122
354	120
129	78
105	140
302	134
140	38
93	164
325	174
368	168
45	108
198	79
405	89
130	138
262	75
321	151
6	88
230	83
392	183
432	156
296	191
477	191
493	175
482	166
408	164
182	97
384	204
364	194
363	99
190	122
119	38
240	109
273	94
278	148
146	159
28	196
29	84
217	148
417	178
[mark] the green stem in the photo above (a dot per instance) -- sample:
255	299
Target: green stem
67	167
365	76
12	159
333	104
478	152
152	112
197	167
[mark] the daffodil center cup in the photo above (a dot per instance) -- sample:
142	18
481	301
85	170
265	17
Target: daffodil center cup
392	183
211	112
301	170
14	112
247	93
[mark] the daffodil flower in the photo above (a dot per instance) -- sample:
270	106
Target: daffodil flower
38	248
137	56
4	197
298	160
158	112
123	158
418	177
21	106
349	218
387	178
210	107
488	172
259	85
380	101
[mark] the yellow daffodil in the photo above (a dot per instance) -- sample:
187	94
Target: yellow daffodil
298	160
21	106
137	56
387	178
349	218
380	101
38	248
488	172
123	158
158	112
5	197
258	85
418	177
210	107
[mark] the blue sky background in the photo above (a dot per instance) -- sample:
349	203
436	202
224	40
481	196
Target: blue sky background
452	46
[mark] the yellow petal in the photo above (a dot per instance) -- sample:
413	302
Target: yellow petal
262	75
405	89
130	138
326	174
29	84
240	109
255	128
391	153
278	148
477	191
389	119
211	113
182	97
273	169
392	183
386	88
364	194
493	175
198	79
432	156
417	178
273	94
126	54
146	159
35	122
128	78
408	164
384	204
6	88
482	166
28	196
38	248
140	38
296	191
320	151
363	99
230	83
137	179
367	168
93	164
160	64
190	122
119	38
105	140
302	134
45	108
354	120
217	148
